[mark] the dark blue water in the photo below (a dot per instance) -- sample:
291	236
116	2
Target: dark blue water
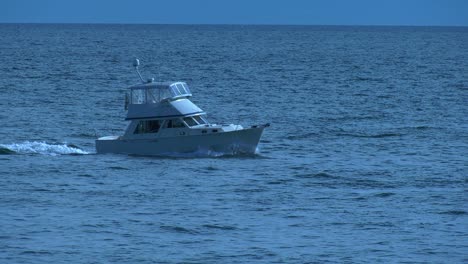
365	161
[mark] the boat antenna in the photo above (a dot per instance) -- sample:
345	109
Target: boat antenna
136	63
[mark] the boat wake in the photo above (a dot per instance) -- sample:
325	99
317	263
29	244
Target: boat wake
42	148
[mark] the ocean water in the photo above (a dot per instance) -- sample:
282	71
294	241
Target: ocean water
365	159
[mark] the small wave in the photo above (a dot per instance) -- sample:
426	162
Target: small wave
422	127
302	136
221	227
383	135
85	135
178	229
368	79
280	181
118	168
43	148
6	151
211	168
384	194
454	212
36	252
320	175
345	118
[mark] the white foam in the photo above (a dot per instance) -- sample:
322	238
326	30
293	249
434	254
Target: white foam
196	154
34	147
207	153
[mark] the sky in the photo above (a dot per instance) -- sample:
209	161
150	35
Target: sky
288	12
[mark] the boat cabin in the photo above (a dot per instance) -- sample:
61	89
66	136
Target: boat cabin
153	107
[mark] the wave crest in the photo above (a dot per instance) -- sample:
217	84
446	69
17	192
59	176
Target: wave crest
43	148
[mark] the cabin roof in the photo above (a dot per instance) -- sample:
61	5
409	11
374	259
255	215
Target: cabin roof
170	109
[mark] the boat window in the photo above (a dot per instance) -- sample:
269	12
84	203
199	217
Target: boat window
204	119
147	126
187	90
165	93
174	123
175	91
190	121
199	120
152	96
180	89
137	96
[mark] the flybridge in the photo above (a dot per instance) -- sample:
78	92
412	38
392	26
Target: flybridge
151	92
159	99
155	92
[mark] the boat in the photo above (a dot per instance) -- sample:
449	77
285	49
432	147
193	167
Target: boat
163	121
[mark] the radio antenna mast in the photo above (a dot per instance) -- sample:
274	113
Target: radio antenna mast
136	63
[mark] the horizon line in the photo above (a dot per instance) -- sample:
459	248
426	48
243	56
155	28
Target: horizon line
228	24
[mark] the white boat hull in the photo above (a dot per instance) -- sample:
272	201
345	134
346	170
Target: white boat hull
238	141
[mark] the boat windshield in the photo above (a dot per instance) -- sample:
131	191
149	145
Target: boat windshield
195	120
155	93
180	89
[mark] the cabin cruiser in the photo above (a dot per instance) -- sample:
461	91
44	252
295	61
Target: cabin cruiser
164	121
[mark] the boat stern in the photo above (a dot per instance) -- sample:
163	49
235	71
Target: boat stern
105	144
